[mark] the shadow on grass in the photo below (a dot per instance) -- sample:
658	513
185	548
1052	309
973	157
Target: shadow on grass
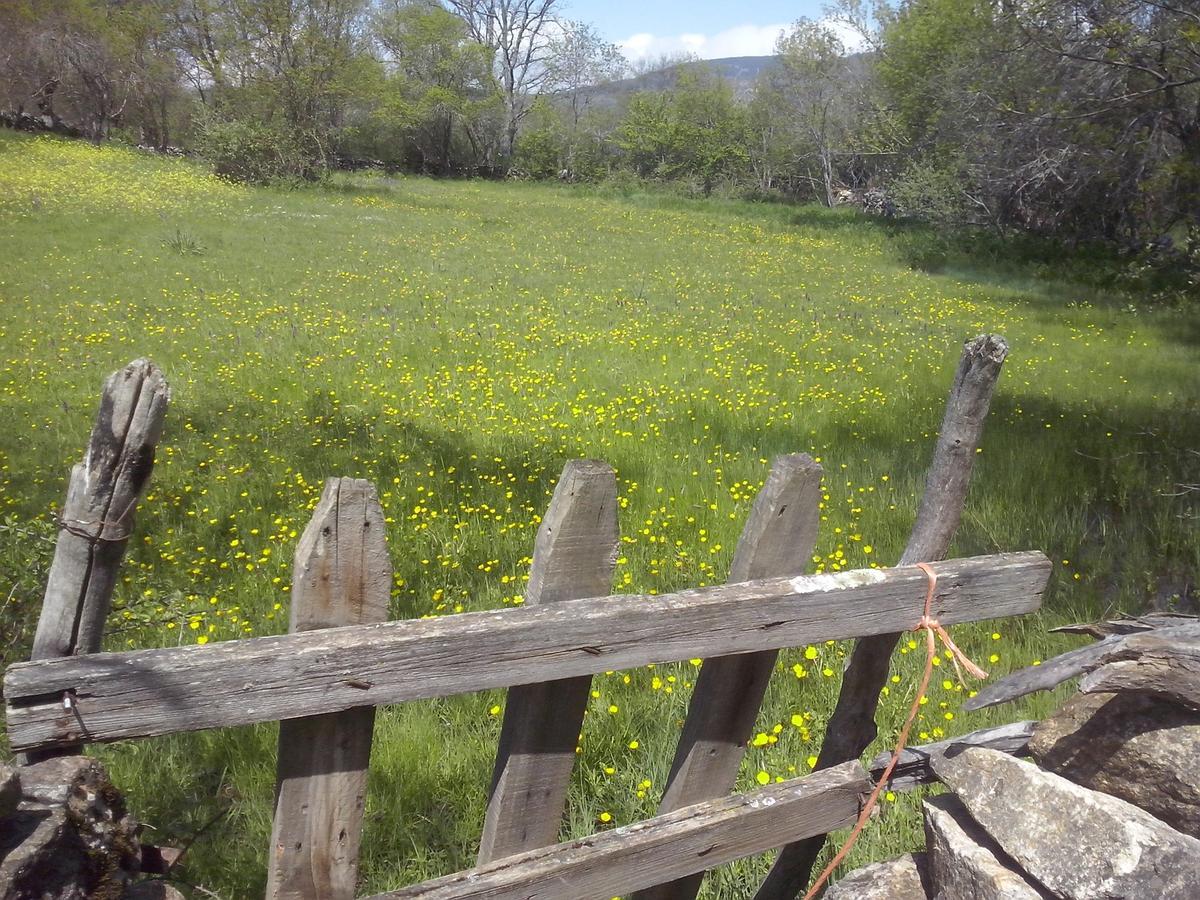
1102	488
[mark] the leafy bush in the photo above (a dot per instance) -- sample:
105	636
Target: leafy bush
259	152
1165	272
932	193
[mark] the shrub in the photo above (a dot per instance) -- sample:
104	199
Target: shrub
260	153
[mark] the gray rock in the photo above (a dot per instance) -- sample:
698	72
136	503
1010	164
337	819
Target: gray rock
902	878
1075	842
964	862
70	838
42	858
10	790
1132	746
53	780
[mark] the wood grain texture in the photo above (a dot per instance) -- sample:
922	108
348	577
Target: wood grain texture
1163	663
1126	624
148	692
1048	675
915	767
573	557
778	539
852	726
98	514
688	840
342	576
1071	664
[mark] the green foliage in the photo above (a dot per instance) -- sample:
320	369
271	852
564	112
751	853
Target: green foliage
934	192
183	243
696	129
932	47
259	153
542	146
437	91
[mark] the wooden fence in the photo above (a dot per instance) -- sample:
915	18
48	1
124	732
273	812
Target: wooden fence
342	659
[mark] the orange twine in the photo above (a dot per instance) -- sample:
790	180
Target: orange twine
930	626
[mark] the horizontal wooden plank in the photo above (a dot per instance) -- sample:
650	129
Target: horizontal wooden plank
691	839
1063	667
915	768
151	692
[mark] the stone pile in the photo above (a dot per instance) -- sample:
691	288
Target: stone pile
65	834
1108	807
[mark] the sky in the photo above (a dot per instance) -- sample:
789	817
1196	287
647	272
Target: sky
708	28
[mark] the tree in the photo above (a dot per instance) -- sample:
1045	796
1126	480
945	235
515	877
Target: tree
696	129
812	81
1134	67
87	65
577	59
440	86
1080	117
518	32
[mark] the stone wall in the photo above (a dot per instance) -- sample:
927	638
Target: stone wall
1108	807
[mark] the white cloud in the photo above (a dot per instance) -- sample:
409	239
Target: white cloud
851	39
741	40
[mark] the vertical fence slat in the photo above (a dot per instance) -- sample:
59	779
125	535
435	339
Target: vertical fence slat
342	576
778	540
97	517
852	726
574	557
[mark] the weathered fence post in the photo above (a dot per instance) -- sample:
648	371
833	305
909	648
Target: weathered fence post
778	539
343	576
852	726
97	517
574	557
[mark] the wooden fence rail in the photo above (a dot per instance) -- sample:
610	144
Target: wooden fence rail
342	659
142	693
679	843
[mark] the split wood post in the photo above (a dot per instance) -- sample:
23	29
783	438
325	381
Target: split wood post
778	540
97	517
573	558
852	726
342	576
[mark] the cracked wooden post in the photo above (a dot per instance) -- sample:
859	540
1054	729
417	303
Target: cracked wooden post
778	539
342	576
97	516
852	726
573	558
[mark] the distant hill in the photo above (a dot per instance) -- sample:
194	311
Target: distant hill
740	71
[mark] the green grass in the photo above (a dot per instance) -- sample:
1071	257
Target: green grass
456	343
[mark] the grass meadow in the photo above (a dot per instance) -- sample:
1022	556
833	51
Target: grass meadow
456	343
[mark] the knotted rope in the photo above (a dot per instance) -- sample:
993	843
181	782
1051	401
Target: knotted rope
933	630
